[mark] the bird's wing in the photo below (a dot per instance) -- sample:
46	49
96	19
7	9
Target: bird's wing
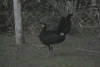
53	39
53	30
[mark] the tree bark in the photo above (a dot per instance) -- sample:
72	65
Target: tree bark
18	23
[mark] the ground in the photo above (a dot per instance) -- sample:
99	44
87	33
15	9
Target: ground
73	52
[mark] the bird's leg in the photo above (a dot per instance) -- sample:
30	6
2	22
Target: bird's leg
50	50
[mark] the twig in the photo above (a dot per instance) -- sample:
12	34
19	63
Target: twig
9	18
38	45
87	50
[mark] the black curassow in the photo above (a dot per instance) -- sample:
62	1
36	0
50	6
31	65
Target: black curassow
64	25
50	38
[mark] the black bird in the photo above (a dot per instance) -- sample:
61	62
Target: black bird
64	25
50	38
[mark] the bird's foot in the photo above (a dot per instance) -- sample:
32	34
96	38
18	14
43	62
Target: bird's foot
50	53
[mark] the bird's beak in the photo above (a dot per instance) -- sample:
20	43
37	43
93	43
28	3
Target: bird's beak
71	16
43	25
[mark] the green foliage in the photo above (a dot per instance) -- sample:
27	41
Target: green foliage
25	17
6	21
66	7
4	3
62	7
0	39
43	13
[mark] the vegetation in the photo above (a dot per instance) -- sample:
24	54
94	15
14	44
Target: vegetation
34	13
73	52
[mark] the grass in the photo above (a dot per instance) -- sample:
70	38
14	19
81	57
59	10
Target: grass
63	62
64	55
3	50
74	43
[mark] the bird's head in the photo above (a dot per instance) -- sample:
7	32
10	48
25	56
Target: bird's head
69	16
43	31
44	25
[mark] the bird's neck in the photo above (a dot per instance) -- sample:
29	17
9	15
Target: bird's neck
43	32
68	19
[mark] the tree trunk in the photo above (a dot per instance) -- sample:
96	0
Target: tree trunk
18	23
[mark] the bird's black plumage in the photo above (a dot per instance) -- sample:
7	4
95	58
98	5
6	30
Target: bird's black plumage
48	38
64	25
